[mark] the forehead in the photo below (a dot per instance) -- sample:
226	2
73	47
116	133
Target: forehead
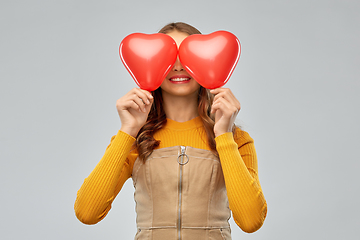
178	36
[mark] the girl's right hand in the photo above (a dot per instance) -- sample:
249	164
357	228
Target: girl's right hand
133	109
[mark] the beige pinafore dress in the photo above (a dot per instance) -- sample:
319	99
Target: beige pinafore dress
180	194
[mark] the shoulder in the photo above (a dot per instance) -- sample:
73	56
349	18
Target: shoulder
242	137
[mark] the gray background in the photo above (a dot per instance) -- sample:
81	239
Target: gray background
297	81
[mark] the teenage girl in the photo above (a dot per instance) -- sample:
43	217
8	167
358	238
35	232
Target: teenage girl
189	163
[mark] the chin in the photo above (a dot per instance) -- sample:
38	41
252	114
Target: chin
180	91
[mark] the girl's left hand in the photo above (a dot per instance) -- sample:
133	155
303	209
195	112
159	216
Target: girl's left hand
226	107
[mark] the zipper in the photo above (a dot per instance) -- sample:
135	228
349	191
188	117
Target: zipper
181	163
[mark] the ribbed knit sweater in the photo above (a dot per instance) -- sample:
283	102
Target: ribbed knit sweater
238	161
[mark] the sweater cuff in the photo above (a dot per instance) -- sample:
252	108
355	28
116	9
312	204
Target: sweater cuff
225	142
123	139
122	143
125	136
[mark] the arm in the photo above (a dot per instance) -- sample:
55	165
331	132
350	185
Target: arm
239	164
99	190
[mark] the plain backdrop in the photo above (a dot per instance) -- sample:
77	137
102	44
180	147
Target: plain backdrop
297	81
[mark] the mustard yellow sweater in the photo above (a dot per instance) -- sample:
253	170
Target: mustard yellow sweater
237	156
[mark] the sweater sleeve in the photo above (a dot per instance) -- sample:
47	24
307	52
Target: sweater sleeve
100	188
239	163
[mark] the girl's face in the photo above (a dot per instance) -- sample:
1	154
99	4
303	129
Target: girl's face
178	82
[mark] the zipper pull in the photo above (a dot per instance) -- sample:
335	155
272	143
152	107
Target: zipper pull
181	156
183	148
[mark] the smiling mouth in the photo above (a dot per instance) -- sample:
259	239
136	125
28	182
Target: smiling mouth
180	79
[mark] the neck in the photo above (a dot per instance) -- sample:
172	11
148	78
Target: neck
180	108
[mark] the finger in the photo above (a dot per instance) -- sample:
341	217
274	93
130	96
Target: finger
130	104
229	96
224	106
222	90
143	98
137	100
132	98
218	105
148	94
144	95
216	90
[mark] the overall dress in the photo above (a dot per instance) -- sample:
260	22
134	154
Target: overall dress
180	194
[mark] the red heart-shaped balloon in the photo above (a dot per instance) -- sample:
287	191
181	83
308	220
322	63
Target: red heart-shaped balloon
148	58
210	59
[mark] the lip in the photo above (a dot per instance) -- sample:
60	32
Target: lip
172	78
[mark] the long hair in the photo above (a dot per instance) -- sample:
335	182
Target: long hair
145	142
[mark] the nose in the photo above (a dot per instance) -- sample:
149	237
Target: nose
178	66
